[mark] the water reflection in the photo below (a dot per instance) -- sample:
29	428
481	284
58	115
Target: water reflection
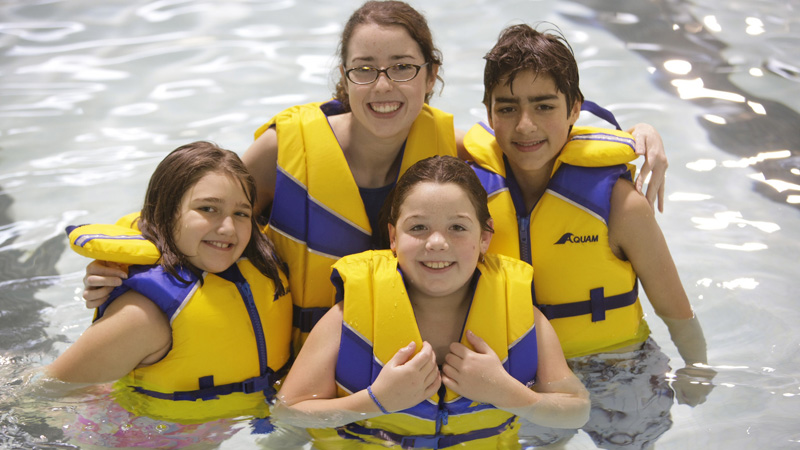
689	61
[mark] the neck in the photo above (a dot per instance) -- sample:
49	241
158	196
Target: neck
533	183
373	160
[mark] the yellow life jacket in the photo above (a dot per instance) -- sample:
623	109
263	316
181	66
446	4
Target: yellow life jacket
231	336
588	294
317	213
378	320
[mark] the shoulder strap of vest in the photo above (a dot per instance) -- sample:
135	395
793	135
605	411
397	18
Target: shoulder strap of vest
599	111
589	188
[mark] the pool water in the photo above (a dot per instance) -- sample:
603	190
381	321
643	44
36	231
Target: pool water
94	94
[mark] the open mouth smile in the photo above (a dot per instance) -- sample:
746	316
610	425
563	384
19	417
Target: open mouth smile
437	264
385	107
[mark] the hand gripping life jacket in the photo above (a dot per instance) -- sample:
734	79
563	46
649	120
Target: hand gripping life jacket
317	213
378	320
231	336
588	294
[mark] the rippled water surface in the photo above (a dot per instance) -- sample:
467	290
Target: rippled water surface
94	94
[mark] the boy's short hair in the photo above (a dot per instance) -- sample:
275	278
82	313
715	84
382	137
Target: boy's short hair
521	48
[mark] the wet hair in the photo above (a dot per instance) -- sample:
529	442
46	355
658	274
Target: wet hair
439	170
520	48
388	13
172	179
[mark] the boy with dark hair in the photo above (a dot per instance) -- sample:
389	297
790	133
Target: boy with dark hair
562	199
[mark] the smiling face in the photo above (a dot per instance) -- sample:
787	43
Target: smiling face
438	239
531	121
386	108
213	225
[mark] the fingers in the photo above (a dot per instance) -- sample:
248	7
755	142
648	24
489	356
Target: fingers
640	139
403	355
104	269
478	343
94	297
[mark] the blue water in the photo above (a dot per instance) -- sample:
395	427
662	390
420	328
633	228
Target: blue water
94	94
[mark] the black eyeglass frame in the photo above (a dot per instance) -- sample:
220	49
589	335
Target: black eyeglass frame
384	71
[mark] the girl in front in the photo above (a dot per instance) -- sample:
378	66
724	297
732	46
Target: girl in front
434	343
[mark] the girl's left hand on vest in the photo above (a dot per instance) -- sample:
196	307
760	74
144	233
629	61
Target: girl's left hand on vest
407	379
478	375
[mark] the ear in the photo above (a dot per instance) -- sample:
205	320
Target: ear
432	74
575	113
345	84
489	114
486	237
392	234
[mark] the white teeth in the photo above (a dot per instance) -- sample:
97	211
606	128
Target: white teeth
219	244
530	144
385	107
438	265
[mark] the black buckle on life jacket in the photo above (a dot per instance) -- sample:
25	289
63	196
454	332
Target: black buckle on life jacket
431	442
305	318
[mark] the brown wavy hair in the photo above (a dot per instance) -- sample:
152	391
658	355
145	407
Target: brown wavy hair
173	177
388	13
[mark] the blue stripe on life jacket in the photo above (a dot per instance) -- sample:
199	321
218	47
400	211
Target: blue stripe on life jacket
525	357
166	291
234	275
607	137
589	187
492	182
297	215
355	354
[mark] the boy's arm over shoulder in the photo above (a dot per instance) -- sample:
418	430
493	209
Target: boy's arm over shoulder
634	235
133	332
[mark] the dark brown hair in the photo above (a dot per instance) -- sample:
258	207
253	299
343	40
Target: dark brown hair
520	48
440	170
175	176
389	13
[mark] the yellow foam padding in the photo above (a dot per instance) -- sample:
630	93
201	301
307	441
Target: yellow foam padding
113	243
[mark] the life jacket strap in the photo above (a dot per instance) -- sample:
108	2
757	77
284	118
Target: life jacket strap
597	305
305	318
429	441
262	383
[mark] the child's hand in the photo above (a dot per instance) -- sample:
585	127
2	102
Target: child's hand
407	379
478	375
101	278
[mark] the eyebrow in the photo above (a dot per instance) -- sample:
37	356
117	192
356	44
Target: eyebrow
422	217
534	99
217	200
370	59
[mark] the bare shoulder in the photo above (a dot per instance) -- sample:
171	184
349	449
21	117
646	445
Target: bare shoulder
631	218
136	313
261	159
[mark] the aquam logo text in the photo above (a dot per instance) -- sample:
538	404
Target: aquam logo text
571	238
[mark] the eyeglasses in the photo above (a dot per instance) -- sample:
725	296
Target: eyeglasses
397	72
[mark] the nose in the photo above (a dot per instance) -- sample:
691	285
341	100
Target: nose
436	241
526	123
226	227
383	83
